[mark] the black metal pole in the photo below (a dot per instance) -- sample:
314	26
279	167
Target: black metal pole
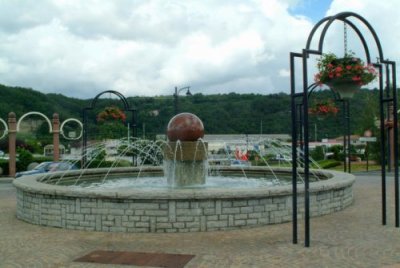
84	139
294	173
366	155
306	154
348	133
134	124
294	151
383	158
388	140
395	146
344	137
176	101
301	126
134	134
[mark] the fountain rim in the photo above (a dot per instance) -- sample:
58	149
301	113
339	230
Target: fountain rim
32	183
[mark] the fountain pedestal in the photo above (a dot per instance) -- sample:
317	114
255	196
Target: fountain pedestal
185	163
185	156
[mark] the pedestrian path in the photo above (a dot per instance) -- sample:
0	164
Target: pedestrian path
353	237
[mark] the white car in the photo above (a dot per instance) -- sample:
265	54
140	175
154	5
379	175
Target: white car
281	157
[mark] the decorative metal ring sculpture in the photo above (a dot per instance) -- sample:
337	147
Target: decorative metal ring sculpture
5	128
69	120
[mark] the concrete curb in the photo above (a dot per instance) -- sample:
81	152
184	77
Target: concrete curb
6	179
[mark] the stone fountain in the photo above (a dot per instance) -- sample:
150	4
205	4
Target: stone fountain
56	199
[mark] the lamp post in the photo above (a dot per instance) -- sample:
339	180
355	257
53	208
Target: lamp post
177	91
315	132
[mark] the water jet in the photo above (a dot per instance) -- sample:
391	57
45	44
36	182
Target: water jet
186	204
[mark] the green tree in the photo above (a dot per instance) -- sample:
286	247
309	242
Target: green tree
318	153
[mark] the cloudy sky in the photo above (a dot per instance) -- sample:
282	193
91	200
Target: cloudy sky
147	47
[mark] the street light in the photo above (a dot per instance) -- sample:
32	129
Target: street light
177	91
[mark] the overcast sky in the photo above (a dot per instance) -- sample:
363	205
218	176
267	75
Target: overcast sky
147	47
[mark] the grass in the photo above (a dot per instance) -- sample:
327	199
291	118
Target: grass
355	166
358	166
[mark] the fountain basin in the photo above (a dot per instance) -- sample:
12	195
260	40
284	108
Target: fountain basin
172	209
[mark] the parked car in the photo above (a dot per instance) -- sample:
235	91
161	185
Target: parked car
281	157
240	163
45	167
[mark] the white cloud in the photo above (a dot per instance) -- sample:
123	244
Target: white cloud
284	72
80	48
383	17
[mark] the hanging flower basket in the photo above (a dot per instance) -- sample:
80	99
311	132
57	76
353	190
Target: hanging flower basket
344	75
323	109
111	114
345	87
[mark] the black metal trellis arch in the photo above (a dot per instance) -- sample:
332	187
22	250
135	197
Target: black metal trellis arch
300	123
346	122
127	108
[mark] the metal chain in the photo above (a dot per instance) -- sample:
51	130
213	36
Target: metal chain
345	37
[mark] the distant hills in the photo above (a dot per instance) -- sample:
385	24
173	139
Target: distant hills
221	113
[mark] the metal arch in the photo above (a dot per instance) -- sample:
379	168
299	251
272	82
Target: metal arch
343	17
92	105
360	36
122	97
5	128
346	119
311	89
36	113
304	125
69	120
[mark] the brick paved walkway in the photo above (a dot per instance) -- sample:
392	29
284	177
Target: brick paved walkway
350	238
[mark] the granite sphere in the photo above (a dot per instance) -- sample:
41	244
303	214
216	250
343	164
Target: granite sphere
185	127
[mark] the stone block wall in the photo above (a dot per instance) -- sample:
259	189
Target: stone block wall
171	215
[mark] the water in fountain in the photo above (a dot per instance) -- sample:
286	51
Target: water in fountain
184	158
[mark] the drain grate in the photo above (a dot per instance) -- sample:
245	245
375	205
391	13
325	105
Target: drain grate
137	258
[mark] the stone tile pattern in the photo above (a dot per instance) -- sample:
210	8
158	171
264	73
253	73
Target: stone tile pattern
170	216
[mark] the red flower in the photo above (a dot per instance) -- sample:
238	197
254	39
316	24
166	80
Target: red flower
323	108
347	68
111	113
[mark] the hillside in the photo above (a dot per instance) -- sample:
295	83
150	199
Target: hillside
221	113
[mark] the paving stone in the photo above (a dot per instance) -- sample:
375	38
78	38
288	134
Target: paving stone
353	237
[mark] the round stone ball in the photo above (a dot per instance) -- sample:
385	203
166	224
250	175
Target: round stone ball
185	127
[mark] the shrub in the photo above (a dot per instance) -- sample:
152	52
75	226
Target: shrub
40	159
4	166
318	153
329	163
105	164
24	159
